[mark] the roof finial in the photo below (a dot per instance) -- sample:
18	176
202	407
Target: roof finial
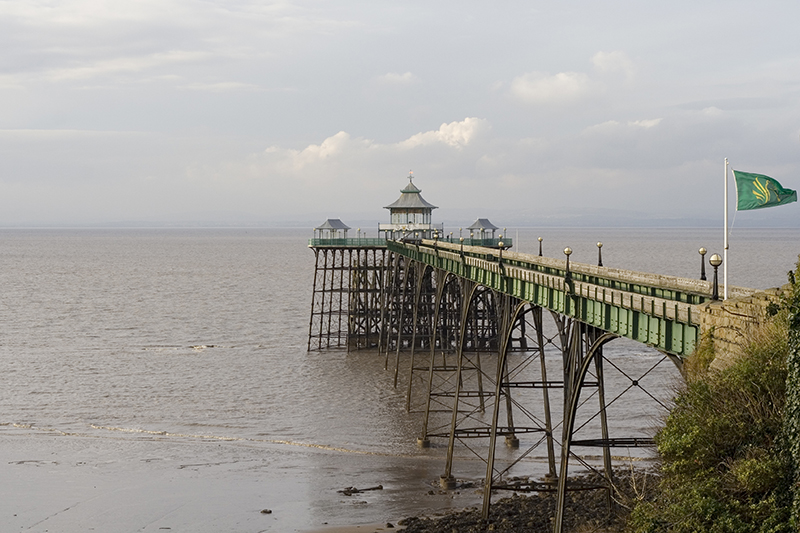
411	176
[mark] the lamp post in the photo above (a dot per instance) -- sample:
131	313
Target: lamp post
568	252
540	247
715	261
501	249
599	254
461	239
702	252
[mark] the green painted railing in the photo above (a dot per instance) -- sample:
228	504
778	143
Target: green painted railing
381	242
348	243
656	310
488	243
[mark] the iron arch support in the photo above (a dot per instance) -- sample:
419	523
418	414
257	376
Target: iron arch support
422	275
676	360
443	279
470	290
570	411
509	319
410	266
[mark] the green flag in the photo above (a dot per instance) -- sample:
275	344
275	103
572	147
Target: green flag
755	191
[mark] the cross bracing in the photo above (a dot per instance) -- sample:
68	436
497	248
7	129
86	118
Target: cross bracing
488	339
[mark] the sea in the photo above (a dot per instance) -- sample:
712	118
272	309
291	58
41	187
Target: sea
155	379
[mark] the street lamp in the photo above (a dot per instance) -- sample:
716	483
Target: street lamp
501	249
599	254
715	261
568	252
703	252
540	247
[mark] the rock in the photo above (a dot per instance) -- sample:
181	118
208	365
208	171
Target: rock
586	511
266	511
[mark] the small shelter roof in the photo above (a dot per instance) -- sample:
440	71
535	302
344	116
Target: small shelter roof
484	224
411	198
333	224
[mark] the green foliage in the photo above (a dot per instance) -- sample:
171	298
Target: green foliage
702	357
725	469
792	417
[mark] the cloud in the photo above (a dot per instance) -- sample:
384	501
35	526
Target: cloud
393	78
219	87
360	159
647	123
542	88
111	42
615	163
125	65
614	125
341	145
455	134
613	63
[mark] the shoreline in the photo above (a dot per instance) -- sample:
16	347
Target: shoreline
378	527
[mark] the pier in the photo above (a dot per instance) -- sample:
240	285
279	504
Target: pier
478	328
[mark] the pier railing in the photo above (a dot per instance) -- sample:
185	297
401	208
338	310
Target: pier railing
653	309
381	242
370	242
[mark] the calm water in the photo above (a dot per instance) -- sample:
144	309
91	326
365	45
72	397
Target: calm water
183	353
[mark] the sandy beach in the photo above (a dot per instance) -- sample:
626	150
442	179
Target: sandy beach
72	482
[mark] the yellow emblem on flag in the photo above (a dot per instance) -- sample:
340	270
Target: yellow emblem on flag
761	191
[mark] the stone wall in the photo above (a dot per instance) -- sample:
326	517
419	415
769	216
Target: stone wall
728	321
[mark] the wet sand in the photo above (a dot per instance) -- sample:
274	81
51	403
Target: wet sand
364	528
74	482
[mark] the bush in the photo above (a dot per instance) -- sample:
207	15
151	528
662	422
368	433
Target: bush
724	462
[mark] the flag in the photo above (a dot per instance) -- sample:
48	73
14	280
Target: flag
754	191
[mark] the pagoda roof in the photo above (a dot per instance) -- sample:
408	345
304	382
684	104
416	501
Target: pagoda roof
334	224
484	224
411	198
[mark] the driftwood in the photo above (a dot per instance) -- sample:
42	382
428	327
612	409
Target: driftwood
349	491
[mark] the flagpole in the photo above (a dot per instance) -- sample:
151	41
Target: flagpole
725	241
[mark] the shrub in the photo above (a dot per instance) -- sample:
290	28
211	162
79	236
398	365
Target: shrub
724	455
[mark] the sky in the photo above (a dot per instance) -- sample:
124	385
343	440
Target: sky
287	113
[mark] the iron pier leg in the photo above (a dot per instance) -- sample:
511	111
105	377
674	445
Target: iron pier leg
505	328
548	419
404	301
313	296
393	299
447	481
607	467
